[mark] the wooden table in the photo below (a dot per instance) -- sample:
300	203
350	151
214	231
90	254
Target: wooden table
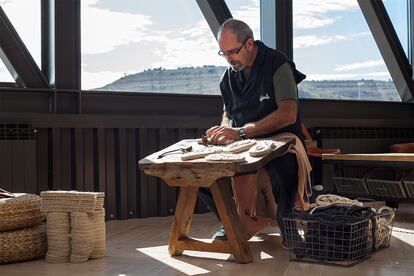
189	176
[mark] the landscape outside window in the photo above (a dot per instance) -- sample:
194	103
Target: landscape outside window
334	47
135	46
25	17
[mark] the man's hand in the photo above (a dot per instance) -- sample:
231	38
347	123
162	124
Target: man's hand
220	135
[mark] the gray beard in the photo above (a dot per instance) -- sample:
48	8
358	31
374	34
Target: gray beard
238	69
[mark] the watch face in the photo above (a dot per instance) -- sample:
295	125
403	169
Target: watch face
242	133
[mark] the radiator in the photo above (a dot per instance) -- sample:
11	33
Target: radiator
362	140
17	157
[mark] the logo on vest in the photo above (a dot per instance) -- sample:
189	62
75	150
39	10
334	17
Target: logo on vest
264	97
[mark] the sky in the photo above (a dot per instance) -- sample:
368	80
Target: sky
120	37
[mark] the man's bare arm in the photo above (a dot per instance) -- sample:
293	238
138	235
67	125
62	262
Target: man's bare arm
225	120
285	115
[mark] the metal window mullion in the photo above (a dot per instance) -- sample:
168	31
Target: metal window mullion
410	34
215	12
284	27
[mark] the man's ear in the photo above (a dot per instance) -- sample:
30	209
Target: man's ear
250	43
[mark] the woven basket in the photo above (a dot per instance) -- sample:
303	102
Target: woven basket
22	245
58	237
98	220
82	237
22	211
99	201
70	201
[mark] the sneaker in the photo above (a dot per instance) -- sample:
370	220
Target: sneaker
318	188
220	235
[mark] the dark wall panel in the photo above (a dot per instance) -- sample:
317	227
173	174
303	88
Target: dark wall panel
122	173
29	148
88	159
110	188
147	186
66	159
42	157
132	170
79	160
6	175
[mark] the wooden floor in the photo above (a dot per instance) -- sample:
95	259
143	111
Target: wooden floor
139	247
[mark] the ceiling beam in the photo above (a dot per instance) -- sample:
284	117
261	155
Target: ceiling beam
17	58
390	47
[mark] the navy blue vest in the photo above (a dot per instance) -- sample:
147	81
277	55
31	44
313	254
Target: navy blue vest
253	99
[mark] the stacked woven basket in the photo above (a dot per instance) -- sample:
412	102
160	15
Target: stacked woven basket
22	230
75	225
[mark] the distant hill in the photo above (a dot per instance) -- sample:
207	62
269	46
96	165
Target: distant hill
205	79
194	80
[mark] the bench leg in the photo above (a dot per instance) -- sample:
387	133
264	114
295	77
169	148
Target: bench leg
182	218
235	233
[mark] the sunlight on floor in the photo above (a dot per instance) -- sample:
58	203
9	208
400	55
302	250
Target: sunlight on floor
161	254
404	235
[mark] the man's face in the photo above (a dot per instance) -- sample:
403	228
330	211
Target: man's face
236	53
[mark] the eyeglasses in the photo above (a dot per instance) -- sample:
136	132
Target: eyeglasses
232	51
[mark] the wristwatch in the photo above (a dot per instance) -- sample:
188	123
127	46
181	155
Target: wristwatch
242	133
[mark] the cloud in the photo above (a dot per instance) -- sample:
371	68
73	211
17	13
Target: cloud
316	13
249	13
359	65
314	40
103	30
129	43
356	76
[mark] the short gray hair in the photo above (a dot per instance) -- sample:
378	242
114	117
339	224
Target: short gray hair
238	27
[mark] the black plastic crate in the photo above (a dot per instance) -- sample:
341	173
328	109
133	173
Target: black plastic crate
409	183
387	182
351	181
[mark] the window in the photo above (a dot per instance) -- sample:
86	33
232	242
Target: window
25	17
5	74
334	47
137	46
247	11
398	13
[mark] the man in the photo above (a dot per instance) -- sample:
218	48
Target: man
260	100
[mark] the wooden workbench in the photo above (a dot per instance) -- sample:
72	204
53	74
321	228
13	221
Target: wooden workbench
189	176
